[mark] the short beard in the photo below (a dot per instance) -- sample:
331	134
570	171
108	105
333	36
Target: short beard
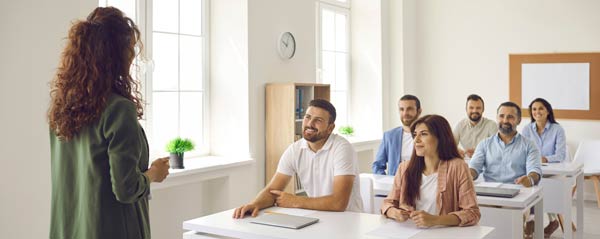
316	136
476	118
406	123
506	131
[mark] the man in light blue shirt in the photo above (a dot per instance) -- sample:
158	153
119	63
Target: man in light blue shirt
397	144
507	156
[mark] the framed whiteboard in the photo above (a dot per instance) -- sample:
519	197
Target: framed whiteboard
569	81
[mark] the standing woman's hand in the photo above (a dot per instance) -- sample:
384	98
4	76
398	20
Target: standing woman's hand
159	170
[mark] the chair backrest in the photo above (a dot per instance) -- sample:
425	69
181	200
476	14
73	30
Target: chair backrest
366	193
588	153
568	157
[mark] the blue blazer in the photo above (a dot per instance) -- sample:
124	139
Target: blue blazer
389	152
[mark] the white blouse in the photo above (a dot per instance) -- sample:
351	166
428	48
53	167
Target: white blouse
428	194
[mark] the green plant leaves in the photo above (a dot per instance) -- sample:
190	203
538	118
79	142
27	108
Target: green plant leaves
179	146
346	130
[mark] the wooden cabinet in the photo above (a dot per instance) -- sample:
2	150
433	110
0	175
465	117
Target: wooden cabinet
286	104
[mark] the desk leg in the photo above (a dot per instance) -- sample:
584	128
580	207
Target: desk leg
567	213
539	219
579	206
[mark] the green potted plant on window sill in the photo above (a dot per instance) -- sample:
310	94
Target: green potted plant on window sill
346	130
176	148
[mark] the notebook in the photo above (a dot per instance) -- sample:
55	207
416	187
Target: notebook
284	220
496	192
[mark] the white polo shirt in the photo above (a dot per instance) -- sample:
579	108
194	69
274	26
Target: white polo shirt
316	170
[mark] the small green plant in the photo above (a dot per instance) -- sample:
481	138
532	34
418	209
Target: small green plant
179	146
346	130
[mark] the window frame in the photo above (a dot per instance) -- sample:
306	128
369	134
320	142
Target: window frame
337	3
144	20
338	8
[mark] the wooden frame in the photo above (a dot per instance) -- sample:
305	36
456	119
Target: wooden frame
515	84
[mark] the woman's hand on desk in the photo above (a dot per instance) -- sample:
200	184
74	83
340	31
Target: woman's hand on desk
423	219
399	215
251	209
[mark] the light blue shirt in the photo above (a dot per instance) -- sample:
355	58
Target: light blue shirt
504	163
552	143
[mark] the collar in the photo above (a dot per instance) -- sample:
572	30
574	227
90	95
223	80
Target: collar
499	140
473	126
327	146
546	127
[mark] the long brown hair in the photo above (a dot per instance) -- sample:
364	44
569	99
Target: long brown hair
95	63
439	127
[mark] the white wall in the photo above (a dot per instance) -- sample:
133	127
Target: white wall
402	68
32	33
229	110
462	47
267	19
368	71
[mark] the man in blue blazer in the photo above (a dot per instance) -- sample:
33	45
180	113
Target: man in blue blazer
397	144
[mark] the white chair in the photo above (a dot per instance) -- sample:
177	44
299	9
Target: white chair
366	192
588	153
568	157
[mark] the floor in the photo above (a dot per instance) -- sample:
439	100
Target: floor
591	217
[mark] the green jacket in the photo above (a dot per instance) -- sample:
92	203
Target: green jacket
99	190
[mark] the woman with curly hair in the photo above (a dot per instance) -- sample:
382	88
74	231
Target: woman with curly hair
99	153
434	187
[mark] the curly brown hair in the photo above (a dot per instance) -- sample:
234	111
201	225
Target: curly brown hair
95	63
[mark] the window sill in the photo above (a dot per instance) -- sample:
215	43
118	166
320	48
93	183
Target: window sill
363	143
202	168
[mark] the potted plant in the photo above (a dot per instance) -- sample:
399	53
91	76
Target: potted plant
176	148
346	130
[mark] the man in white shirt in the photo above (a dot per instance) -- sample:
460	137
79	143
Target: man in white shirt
475	128
326	165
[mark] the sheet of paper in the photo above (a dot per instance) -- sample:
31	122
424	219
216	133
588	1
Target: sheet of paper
290	211
395	229
489	184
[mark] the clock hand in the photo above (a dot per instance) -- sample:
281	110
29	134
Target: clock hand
284	43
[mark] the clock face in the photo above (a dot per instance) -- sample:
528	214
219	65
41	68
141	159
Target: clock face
286	45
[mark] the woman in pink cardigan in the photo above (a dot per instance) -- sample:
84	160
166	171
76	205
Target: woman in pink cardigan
435	186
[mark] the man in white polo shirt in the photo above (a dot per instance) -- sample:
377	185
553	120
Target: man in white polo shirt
326	165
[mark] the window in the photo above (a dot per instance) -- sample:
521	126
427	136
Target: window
174	33
334	54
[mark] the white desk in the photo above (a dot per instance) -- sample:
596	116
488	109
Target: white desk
557	192
504	214
345	225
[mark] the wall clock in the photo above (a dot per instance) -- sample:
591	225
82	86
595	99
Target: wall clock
286	45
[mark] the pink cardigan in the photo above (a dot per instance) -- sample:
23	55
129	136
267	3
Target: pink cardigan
455	196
